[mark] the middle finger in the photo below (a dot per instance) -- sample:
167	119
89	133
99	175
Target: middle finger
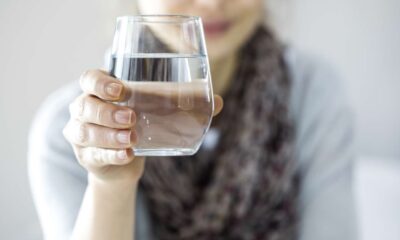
91	109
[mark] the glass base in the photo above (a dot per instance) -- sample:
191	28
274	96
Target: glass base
164	152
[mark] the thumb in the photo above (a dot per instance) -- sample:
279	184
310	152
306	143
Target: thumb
218	104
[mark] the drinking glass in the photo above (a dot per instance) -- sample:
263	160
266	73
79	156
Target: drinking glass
162	61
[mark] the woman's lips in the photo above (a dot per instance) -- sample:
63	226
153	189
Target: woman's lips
215	28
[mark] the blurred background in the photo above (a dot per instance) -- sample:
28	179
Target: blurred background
44	44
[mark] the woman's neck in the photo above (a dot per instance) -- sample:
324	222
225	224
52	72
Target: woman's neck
222	71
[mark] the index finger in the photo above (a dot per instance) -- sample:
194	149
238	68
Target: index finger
102	85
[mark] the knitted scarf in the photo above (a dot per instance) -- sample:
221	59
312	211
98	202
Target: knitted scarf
246	187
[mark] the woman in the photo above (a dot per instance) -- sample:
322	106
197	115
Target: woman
276	164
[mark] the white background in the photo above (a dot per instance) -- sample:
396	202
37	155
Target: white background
360	37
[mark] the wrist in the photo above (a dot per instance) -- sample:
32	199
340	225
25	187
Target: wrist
111	185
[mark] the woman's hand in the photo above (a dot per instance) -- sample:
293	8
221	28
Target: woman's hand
102	133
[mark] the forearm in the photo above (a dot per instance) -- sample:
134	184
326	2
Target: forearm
107	212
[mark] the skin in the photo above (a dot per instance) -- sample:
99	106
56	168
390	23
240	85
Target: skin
242	15
102	134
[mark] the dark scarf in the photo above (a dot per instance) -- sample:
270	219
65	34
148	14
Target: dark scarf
246	187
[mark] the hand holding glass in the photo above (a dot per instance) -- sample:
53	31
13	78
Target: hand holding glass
163	63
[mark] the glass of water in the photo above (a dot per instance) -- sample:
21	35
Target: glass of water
162	61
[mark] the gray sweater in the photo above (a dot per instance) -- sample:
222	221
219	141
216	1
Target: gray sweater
323	150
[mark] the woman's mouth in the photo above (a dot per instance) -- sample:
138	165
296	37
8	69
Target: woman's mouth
215	28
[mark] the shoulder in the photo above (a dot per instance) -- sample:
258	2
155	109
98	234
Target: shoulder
51	117
303	65
57	102
320	111
316	83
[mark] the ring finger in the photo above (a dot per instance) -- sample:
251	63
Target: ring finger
91	135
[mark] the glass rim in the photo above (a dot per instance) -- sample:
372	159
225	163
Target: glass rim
159	18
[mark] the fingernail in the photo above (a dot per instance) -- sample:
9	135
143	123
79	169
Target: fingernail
114	90
124	137
122	155
123	116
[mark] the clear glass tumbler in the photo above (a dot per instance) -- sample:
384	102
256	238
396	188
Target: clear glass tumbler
162	61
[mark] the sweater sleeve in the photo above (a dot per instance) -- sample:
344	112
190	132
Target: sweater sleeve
57	180
324	151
